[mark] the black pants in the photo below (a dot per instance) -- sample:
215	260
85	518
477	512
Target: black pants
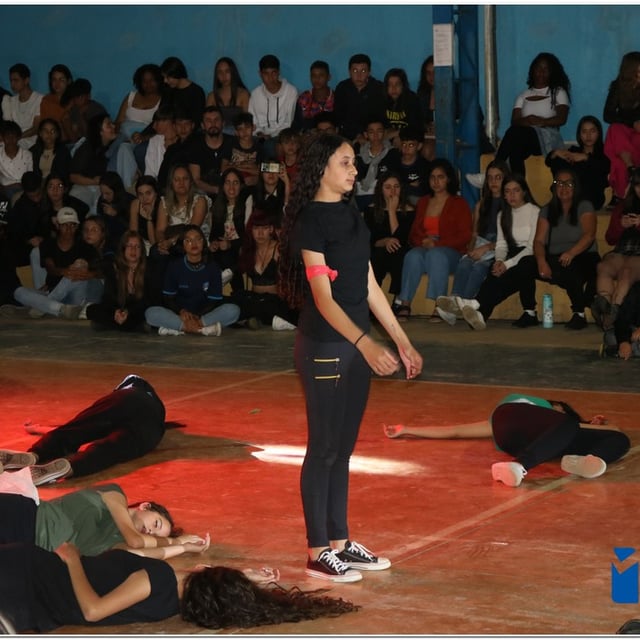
577	279
384	262
533	435
121	426
262	306
336	379
517	145
495	289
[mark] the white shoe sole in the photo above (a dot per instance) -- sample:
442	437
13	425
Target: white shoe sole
449	304
350	576
449	318
584	466
503	472
474	318
381	565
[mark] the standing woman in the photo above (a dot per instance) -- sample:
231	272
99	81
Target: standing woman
229	93
622	113
334	352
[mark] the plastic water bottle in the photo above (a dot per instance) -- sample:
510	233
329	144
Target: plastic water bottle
547	311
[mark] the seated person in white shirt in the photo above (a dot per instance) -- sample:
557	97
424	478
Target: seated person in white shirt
24	106
14	160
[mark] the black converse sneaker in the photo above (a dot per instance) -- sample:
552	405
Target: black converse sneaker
357	556
328	566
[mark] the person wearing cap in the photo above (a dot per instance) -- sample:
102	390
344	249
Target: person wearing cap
70	264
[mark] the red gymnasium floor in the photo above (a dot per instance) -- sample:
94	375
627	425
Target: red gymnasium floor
470	556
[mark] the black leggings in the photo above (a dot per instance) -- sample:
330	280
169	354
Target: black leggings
534	435
121	426
517	145
336	379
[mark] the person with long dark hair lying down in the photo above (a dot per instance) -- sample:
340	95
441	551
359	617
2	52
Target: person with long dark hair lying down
43	590
534	430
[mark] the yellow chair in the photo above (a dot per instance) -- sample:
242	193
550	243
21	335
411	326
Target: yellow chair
539	179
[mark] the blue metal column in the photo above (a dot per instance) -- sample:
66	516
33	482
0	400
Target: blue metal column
468	143
458	143
443	50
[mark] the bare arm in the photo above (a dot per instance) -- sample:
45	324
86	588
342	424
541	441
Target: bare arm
379	305
94	608
380	359
480	429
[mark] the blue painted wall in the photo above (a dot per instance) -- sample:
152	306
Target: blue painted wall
107	43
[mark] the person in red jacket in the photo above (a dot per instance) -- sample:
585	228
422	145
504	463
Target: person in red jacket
439	236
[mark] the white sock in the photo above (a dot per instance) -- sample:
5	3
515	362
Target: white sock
530	312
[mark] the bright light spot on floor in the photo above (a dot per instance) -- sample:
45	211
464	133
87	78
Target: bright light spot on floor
285	454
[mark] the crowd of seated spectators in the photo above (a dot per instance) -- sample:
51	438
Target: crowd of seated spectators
175	156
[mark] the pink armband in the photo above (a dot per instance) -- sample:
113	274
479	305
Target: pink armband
321	270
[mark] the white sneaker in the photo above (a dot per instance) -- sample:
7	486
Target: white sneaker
509	473
584	466
474	318
450	305
165	331
475	179
70	311
36	313
83	312
447	316
214	329
227	274
280	324
466	302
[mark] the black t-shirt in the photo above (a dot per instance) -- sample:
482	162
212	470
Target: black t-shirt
210	160
80	250
338	231
190	101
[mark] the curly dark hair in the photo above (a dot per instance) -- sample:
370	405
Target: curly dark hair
313	162
558	79
220	597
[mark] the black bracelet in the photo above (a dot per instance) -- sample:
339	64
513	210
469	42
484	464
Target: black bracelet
362	335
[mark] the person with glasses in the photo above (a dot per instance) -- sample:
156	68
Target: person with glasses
407	162
565	252
358	99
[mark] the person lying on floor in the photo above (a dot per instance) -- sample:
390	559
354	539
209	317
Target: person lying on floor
121	426
534	430
43	590
94	519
